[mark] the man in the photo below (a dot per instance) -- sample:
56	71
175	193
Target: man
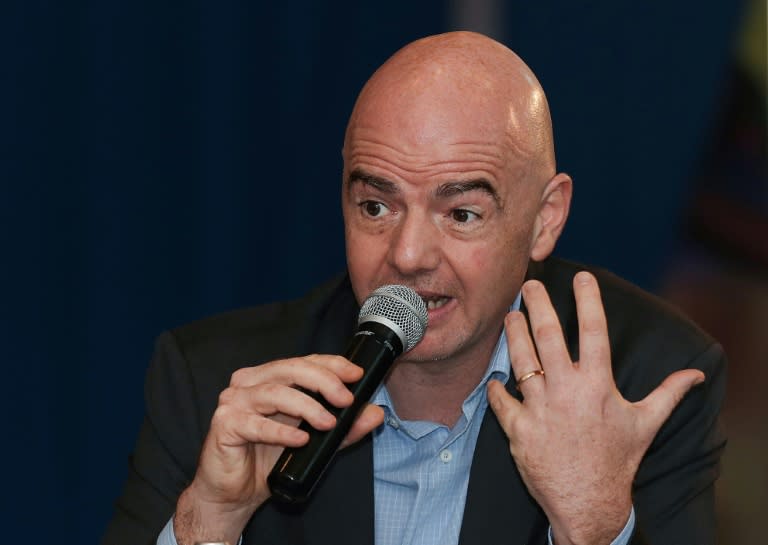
449	187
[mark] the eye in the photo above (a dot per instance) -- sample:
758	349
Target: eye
373	209
460	215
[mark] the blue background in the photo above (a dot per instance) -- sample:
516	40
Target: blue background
162	161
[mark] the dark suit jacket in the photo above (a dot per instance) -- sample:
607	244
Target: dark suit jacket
673	493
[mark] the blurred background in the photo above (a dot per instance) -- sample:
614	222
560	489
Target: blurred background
163	161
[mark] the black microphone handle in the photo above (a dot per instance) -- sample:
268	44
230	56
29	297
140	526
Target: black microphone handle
298	470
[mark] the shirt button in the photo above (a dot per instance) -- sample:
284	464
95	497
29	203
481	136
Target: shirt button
392	421
446	456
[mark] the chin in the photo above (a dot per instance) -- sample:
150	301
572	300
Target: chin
433	350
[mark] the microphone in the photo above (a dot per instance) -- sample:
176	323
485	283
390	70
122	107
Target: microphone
392	321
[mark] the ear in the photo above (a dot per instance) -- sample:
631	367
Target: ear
550	220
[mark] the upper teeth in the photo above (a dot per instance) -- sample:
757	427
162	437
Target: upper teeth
432	304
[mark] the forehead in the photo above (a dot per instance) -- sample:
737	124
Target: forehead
431	149
435	123
432	110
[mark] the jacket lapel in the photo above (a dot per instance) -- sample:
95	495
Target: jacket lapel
498	508
341	510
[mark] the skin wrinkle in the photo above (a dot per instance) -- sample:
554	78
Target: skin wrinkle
445	169
440	111
437	168
479	149
447	190
420	162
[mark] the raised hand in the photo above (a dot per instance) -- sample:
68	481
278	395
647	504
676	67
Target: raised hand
576	441
256	418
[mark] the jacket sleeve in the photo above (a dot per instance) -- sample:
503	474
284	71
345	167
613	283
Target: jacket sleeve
674	486
165	456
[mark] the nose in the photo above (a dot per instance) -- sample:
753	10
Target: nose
415	245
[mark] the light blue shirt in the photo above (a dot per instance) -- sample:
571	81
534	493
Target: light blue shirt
421	469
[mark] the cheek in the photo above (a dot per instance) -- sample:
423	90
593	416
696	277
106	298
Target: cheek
480	258
499	252
501	263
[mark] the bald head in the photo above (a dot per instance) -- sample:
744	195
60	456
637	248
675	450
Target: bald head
450	187
466	83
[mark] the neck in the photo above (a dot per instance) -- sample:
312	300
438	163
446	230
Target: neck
436	390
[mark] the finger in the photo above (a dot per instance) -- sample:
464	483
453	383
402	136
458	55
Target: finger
659	404
339	365
506	408
270	399
522	354
287	368
323	374
370	418
547	333
277	399
594	347
234	428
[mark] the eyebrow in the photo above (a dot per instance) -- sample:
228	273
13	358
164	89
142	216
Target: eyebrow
451	189
382	184
445	191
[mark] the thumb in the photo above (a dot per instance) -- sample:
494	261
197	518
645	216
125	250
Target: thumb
505	407
659	404
371	417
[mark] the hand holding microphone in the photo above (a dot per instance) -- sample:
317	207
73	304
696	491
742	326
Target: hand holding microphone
392	320
257	416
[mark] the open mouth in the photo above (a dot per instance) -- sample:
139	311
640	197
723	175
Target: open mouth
435	302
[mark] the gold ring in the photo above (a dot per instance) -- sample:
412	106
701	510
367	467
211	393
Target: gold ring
527	376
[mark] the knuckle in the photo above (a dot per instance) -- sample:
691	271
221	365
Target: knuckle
332	363
269	391
547	331
292	365
227	396
240	376
222	416
593	328
236	377
339	360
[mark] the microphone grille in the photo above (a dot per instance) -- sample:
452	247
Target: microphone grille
400	305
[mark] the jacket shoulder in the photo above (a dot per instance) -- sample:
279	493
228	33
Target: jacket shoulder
216	346
625	303
647	334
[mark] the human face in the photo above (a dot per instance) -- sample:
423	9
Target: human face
445	213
